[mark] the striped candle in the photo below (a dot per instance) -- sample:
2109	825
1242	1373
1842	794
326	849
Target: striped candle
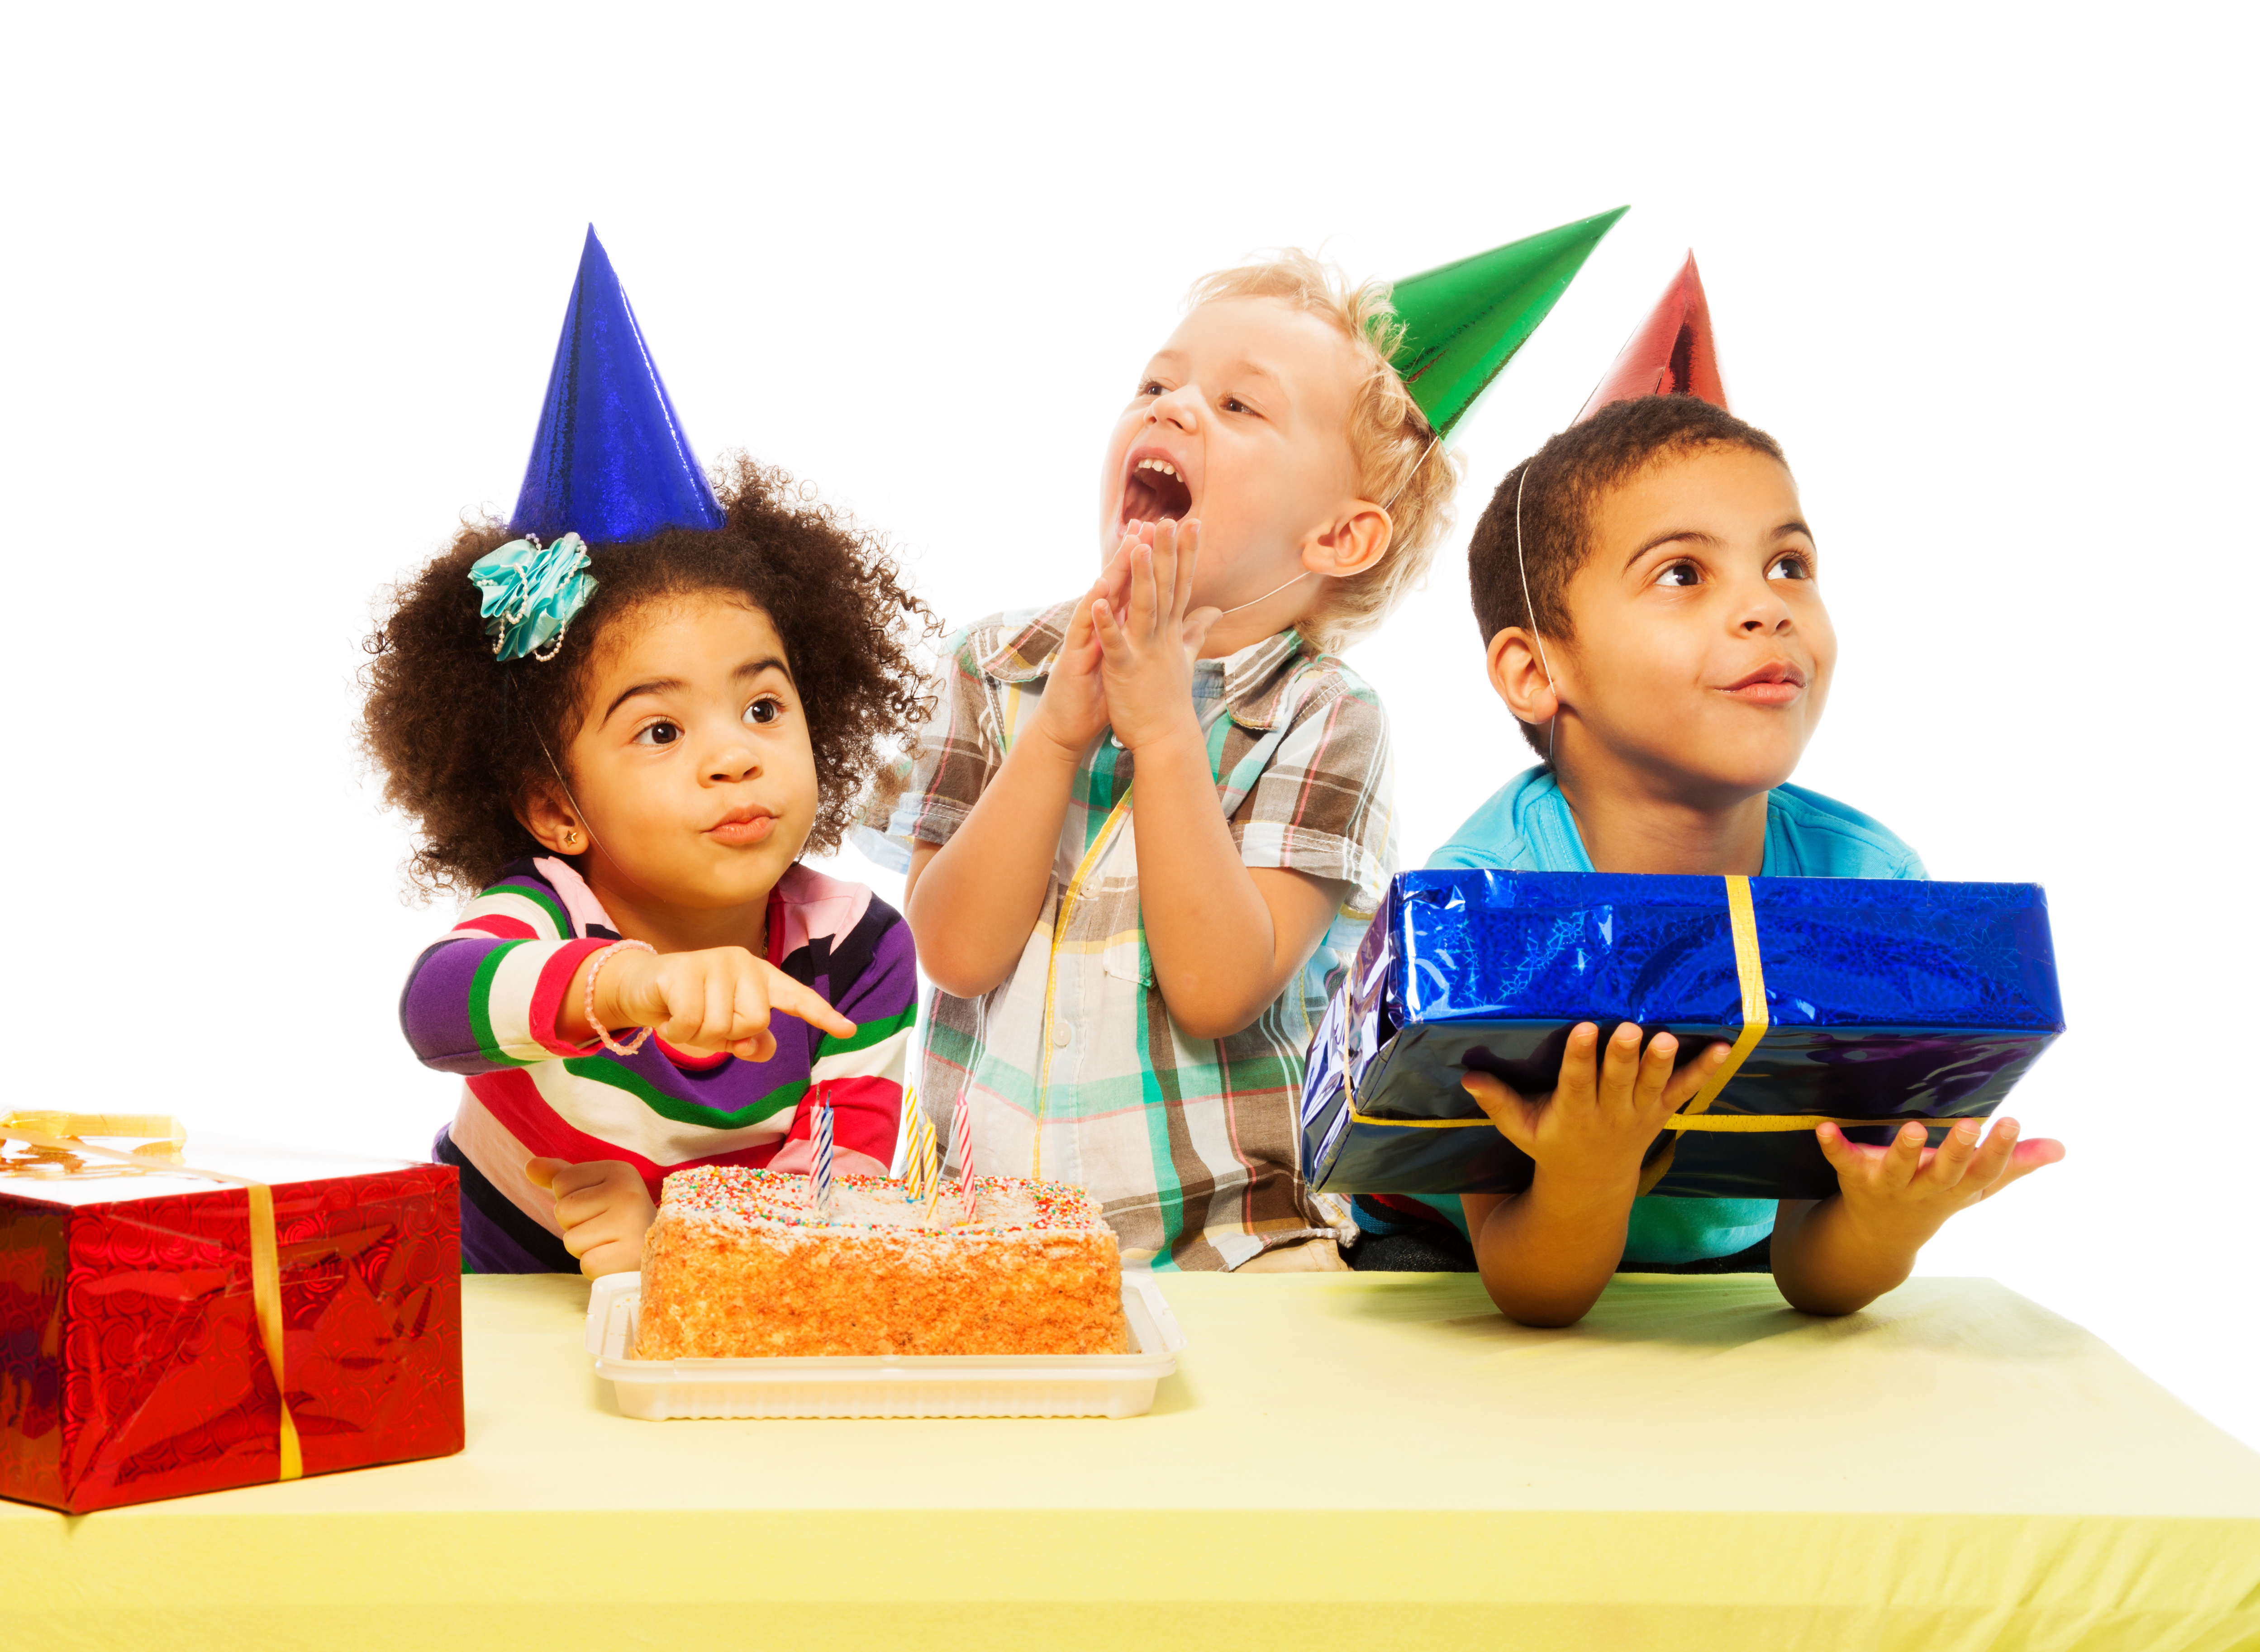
920	1172
960	1135
821	1183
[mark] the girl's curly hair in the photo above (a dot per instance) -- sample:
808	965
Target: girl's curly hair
460	737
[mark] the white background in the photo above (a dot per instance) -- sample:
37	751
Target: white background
281	291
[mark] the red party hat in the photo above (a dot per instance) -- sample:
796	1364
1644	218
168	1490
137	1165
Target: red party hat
1671	353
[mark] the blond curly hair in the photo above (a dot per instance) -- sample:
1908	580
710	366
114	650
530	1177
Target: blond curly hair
1401	465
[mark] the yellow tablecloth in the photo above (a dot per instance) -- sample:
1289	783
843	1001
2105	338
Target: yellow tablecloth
1359	1460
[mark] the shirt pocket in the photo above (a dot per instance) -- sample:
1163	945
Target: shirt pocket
1129	961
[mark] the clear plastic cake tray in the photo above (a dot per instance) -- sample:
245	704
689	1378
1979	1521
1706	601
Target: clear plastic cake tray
886	1386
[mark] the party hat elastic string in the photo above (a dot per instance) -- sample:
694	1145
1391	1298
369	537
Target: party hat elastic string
1390	502
1268	594
1530	610
595	841
1385	508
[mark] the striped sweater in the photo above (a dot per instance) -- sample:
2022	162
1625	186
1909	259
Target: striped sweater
482	1002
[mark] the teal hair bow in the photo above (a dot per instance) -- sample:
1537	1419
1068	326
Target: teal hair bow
530	595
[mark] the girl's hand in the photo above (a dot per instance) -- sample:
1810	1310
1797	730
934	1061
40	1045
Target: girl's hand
1147	645
1594	1131
603	1208
1902	1194
1072	713
719	998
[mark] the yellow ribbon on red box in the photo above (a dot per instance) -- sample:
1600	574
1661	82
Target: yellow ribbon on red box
58	1149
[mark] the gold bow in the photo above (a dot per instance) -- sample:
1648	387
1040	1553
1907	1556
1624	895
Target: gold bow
57	1151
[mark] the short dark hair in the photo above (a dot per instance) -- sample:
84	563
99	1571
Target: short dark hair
460	736
1565	479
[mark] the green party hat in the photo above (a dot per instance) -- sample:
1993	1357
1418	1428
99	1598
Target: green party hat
1464	321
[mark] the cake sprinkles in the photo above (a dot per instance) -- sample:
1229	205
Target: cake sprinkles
740	1263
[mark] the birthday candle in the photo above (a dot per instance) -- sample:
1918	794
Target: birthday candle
960	1132
823	1180
920	1171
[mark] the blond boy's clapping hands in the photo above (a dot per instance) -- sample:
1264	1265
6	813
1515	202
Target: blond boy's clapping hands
1072	714
1149	632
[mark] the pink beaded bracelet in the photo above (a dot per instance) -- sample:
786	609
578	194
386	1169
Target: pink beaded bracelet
589	998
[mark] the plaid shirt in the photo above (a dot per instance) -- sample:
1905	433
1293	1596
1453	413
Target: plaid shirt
1073	1068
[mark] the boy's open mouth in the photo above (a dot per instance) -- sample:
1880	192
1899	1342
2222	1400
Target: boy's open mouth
1154	492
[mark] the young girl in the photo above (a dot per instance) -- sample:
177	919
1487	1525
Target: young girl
629	797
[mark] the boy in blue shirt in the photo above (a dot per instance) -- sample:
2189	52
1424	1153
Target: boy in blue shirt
1650	594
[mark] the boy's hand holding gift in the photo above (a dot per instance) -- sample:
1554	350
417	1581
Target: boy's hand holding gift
1594	1127
1833	1256
1588	1138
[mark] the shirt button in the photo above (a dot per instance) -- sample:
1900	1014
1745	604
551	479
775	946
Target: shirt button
1061	1034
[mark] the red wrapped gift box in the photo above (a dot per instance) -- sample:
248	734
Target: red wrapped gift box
132	1362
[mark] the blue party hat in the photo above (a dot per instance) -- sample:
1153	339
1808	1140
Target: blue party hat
610	460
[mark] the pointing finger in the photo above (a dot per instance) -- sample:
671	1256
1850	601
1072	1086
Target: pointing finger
749	1005
804	1002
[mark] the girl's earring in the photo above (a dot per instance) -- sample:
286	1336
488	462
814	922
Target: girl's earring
572	840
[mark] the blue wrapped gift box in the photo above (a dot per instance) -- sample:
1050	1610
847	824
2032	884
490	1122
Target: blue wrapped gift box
1850	998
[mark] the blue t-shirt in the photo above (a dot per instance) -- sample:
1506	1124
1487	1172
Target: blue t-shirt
1527	826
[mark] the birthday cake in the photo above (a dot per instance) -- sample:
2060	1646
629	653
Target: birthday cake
742	1264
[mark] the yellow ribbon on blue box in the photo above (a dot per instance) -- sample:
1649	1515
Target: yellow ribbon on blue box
1865	1001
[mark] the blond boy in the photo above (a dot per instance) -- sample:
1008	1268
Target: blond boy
1125	987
